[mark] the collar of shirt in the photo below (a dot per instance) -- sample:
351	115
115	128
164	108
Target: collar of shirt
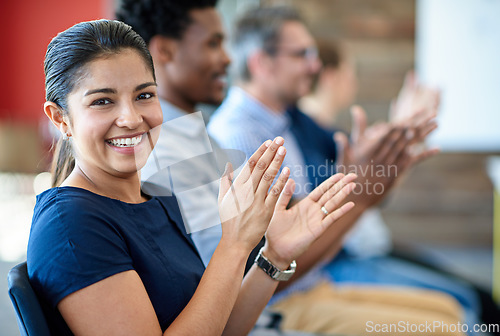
190	124
275	123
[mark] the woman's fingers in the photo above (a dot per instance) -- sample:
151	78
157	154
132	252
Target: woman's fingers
259	161
335	199
320	190
225	181
335	215
256	174
252	161
277	189
286	195
269	175
268	165
335	189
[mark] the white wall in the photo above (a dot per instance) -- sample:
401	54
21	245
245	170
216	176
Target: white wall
458	50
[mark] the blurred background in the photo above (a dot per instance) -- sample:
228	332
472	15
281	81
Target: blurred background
444	208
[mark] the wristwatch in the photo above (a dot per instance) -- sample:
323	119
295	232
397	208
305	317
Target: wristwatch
273	271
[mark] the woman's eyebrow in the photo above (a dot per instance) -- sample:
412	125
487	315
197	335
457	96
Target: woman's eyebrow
145	85
109	90
104	90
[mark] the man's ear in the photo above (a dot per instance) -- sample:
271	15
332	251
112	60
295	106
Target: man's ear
162	48
55	114
259	64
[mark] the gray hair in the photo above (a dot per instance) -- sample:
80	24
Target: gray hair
258	29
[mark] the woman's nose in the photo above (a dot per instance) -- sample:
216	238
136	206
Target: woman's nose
129	117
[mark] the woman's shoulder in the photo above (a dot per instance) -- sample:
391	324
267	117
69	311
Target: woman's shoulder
68	195
71	206
67	217
70	201
64	207
75	240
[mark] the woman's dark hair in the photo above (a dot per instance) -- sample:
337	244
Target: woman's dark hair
66	56
331	56
330	53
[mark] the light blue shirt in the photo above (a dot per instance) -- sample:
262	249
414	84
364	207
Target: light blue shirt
187	162
244	123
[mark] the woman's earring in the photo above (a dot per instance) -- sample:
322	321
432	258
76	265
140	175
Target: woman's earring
65	136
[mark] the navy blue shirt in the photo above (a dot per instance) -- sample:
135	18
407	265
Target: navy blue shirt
79	238
316	144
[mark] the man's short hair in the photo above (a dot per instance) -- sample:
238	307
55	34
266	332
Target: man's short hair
169	18
258	29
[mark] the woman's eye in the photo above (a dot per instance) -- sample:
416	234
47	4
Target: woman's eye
101	101
145	95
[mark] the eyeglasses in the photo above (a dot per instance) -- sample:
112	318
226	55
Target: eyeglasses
309	53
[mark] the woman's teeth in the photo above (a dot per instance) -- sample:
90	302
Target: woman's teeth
125	142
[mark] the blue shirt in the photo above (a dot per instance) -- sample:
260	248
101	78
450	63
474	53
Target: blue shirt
316	144
78	238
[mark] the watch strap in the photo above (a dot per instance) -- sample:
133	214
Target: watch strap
273	271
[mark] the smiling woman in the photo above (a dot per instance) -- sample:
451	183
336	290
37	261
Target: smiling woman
111	113
64	69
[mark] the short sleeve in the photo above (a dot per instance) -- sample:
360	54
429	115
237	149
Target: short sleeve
73	244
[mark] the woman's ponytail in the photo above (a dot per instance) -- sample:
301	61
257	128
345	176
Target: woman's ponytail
63	161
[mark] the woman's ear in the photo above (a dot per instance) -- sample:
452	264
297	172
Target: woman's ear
55	114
